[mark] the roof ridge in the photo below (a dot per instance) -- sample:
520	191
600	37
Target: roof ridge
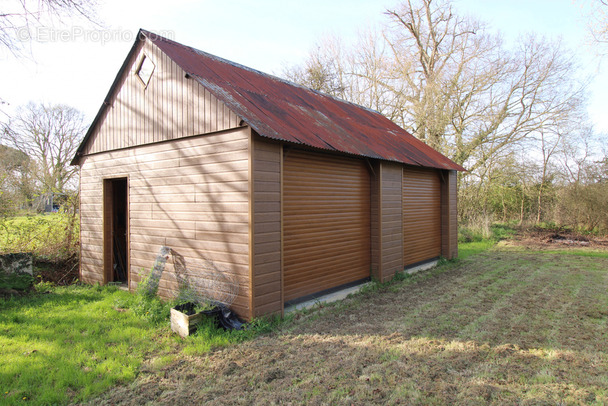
150	34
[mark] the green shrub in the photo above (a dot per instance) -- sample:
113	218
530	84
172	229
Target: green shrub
466	234
503	231
495	232
152	309
44	286
584	207
17	280
53	236
52	239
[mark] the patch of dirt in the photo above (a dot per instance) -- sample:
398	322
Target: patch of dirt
497	328
60	272
8	293
539	238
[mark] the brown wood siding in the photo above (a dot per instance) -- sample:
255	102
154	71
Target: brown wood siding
421	215
449	215
375	223
391	218
191	195
266	239
326	222
170	107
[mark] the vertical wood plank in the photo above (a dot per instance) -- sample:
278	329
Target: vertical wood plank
207	105
170	107
171	96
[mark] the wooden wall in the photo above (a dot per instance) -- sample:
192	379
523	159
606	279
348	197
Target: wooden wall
391	220
191	194
170	107
376	260
449	215
267	227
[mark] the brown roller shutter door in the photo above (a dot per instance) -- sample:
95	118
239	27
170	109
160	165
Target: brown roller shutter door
326	222
421	215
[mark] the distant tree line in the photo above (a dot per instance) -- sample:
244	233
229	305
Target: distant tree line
514	117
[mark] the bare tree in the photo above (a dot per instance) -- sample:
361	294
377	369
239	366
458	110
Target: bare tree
601	175
15	179
580	153
19	18
322	70
465	94
49	135
451	83
549	143
597	23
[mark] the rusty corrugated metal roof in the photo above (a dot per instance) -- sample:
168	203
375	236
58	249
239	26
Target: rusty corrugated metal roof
281	110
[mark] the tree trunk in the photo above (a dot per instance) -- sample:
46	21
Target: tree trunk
540	201
521	209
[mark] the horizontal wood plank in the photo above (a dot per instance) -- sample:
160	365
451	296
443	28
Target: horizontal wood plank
202	212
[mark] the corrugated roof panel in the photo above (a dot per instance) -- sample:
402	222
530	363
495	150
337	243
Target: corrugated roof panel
277	109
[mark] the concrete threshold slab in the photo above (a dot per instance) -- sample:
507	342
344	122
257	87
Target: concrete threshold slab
342	294
330	297
119	285
422	267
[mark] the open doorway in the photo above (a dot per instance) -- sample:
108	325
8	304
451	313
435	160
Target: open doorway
116	230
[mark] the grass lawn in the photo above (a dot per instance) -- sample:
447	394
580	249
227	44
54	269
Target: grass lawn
70	344
500	326
467	249
77	341
497	327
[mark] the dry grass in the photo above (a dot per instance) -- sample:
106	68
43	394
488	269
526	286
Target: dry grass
501	327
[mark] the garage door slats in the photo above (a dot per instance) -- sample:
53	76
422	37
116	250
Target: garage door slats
421	215
326	222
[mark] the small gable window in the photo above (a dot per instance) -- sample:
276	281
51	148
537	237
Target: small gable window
145	70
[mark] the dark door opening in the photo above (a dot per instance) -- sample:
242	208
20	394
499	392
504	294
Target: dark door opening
116	230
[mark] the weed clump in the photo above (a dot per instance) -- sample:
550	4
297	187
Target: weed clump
16	281
146	303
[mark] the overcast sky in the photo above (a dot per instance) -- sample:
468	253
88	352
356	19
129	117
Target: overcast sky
76	65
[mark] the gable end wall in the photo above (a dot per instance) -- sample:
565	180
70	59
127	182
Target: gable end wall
170	107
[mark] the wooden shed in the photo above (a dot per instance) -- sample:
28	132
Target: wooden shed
289	191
